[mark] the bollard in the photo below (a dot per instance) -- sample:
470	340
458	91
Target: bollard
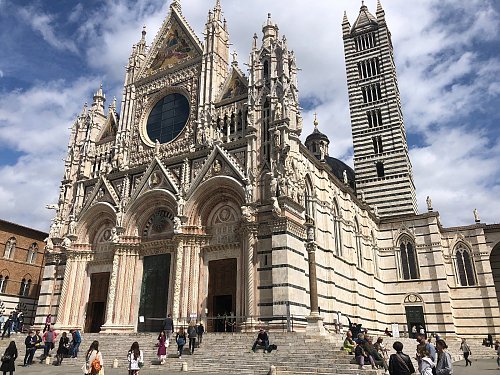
184	366
115	363
47	360
272	370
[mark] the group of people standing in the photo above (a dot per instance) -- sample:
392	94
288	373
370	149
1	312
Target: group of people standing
431	359
194	332
14	323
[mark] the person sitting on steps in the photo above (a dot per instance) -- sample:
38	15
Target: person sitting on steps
262	340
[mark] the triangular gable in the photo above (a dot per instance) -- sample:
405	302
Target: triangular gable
155	177
218	163
175	44
236	85
109	129
103	192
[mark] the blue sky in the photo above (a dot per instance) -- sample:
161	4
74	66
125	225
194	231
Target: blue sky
56	53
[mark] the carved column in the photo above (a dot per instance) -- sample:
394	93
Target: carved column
66	292
314	320
112	290
178	279
249	242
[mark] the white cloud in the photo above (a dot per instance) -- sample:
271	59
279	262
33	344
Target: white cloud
442	75
43	23
1	73
36	123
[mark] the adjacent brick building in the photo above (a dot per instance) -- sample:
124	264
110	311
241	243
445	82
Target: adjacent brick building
21	267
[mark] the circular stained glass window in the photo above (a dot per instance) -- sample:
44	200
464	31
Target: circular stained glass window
168	117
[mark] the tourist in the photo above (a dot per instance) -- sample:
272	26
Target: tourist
387	332
38	340
93	359
426	363
423	344
490	340
9	358
168	327
262	340
400	363
162	349
14	321
7	327
135	359
192	334
20	322
76	340
49	337
349	343
377	356
465	348
180	339
48	322
380	347
498	358
362	356
200	331
62	349
444	363
29	342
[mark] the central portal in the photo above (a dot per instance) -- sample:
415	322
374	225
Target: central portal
221	292
96	306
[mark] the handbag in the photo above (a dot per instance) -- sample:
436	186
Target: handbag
6	358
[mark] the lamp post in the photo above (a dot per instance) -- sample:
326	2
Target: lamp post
314	320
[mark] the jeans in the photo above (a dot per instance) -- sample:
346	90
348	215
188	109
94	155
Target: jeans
200	338
180	348
192	342
48	347
28	358
74	350
265	344
467	360
361	360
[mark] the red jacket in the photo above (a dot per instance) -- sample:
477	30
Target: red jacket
44	337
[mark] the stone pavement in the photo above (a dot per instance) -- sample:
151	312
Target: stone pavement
479	367
42	369
482	367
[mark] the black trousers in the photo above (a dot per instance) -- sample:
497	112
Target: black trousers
466	357
192	342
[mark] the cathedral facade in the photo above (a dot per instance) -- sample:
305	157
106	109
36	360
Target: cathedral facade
199	199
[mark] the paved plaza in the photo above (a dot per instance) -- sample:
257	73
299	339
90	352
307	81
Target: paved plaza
482	367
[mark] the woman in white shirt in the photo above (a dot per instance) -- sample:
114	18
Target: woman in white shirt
93	359
135	359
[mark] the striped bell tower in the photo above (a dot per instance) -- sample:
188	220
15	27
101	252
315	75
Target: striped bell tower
383	169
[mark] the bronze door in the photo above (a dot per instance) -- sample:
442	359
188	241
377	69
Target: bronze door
221	291
96	306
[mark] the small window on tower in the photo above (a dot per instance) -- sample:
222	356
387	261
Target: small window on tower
380	169
266	70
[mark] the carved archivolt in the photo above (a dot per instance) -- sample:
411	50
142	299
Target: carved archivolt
413	298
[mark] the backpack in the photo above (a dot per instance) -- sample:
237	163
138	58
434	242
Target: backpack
95	366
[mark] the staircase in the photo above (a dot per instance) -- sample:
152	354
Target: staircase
230	353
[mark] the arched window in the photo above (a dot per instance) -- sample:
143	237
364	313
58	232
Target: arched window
32	253
25	287
10	247
409	265
309	198
266	118
375	259
357	239
337	230
3	283
465	266
266	70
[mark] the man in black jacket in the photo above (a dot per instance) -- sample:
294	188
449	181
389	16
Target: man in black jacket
30	348
168	327
262	340
400	363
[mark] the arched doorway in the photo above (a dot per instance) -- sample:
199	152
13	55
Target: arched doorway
414	311
495	268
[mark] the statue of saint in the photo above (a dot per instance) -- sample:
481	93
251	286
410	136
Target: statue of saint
344	176
429	204
476	216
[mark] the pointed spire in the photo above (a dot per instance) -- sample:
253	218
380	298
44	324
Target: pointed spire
254	42
346	25
176	4
316	123
217	10
380	11
143	37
